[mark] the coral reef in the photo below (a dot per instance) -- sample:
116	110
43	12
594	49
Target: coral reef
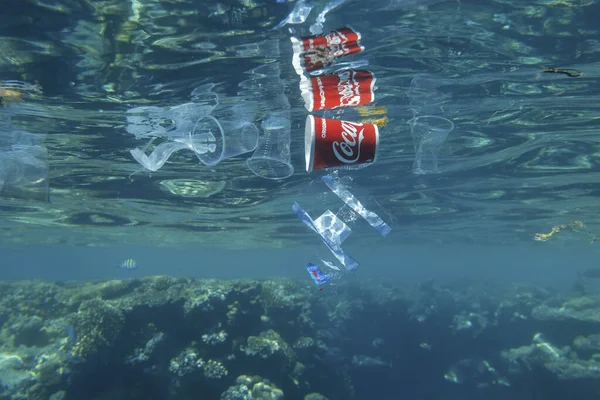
166	339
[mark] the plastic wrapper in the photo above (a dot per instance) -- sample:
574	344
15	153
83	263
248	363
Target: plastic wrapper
340	220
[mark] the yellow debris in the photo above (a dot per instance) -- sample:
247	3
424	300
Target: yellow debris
370	110
380	122
573	226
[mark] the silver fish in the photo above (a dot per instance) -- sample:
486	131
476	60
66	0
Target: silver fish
369	362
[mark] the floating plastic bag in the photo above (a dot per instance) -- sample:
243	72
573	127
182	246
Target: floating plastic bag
334	213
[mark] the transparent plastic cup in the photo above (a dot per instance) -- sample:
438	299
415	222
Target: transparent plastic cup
270	69
272	158
425	95
199	144
261	87
429	133
232	138
266	48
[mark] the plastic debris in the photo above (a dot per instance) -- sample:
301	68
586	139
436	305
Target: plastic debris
23	159
335	224
344	194
316	52
336	144
347	88
317	27
199	144
316	274
573	226
332	232
272	157
298	15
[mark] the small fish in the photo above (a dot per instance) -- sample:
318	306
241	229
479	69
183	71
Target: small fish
128	264
369	362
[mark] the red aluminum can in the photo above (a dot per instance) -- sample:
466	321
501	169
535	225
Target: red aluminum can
343	89
315	52
332	143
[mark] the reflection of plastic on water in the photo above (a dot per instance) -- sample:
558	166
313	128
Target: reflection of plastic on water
429	130
266	48
297	16
192	126
429	134
272	157
317	27
23	160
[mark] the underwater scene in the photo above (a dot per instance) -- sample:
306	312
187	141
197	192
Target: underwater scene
299	199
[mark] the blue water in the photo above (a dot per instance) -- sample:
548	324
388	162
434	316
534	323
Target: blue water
556	267
507	196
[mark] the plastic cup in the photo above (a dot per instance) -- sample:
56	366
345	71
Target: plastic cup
266	48
23	173
346	88
271	69
332	143
425	96
314	52
232	138
204	95
151	121
261	87
429	133
271	160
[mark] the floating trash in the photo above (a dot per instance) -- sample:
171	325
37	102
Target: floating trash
272	158
23	162
331	143
425	95
334	224
429	134
230	138
316	274
199	144
317	27
192	189
347	88
298	15
573	226
315	52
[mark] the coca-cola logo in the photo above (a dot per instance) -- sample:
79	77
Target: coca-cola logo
335	38
348	89
336	43
348	150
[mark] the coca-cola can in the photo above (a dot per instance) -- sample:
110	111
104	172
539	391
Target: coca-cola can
343	89
315	52
332	143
